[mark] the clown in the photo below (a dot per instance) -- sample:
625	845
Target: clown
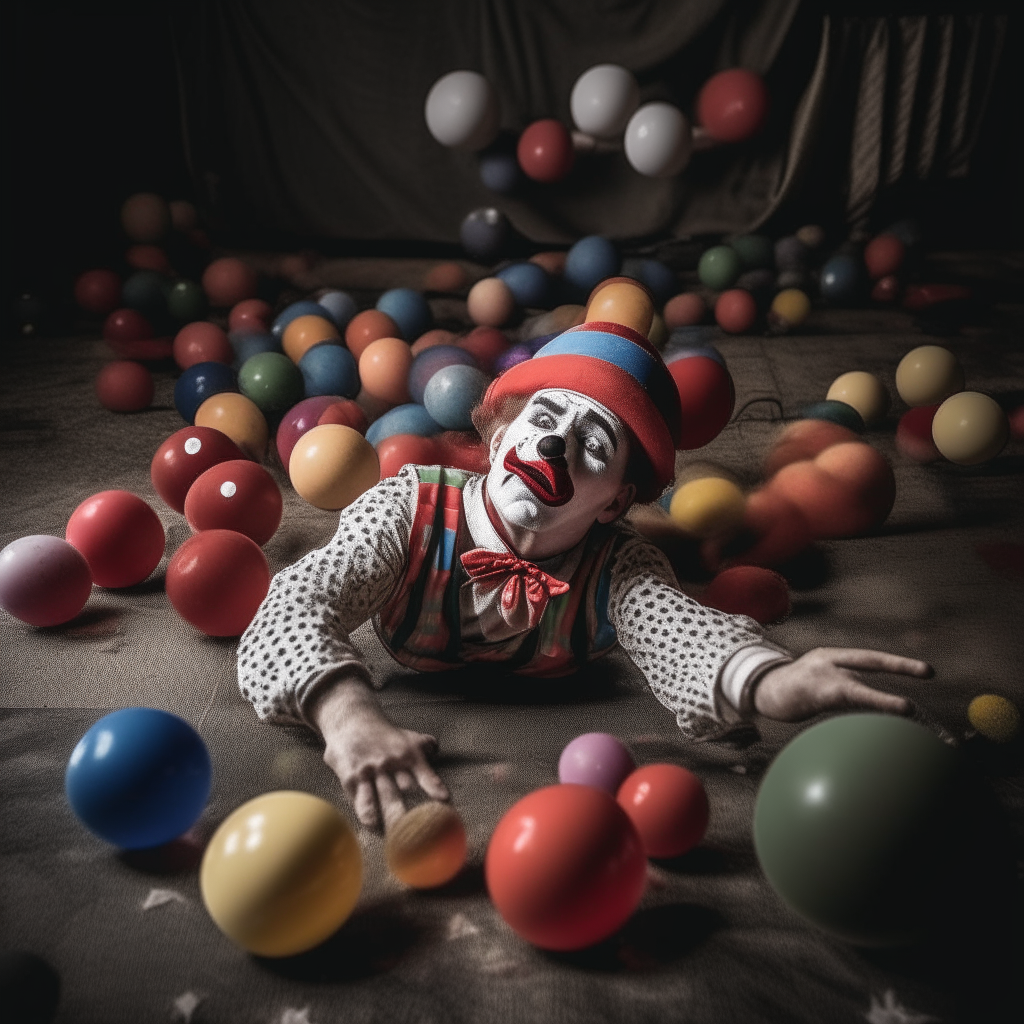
531	567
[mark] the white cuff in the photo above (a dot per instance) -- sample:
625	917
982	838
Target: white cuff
742	668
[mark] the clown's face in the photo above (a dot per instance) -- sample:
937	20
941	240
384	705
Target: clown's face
556	470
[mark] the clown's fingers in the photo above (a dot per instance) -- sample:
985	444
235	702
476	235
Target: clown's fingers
364	803
391	804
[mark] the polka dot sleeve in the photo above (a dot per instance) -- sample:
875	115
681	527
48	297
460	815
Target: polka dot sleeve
678	644
299	640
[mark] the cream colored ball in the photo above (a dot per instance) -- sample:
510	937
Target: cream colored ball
864	391
928	374
970	428
490	302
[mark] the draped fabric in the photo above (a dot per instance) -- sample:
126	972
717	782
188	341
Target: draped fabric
305	119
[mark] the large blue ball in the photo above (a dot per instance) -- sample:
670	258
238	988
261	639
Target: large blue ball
528	282
429	361
451	394
198	383
329	369
485	234
409	309
139	777
340	306
305	307
403	419
590	261
841	279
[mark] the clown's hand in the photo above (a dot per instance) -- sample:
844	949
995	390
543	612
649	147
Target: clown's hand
826	679
375	761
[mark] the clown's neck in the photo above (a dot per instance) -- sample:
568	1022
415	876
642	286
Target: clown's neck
531	545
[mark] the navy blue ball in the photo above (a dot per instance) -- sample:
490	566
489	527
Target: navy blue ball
500	172
409	309
658	277
247	345
198	383
329	369
340	306
305	307
451	394
835	412
590	261
429	361
139	778
485	234
841	279
403	419
146	291
528	282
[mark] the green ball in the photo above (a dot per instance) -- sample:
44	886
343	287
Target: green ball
719	267
835	412
854	824
186	302
756	252
272	381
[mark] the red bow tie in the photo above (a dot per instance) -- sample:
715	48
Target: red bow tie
524	587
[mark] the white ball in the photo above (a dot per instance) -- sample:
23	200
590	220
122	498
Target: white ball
658	140
603	99
462	110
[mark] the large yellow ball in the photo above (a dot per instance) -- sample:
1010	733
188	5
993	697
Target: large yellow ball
711	507
928	374
970	428
331	465
282	873
994	717
622	302
864	391
238	417
426	847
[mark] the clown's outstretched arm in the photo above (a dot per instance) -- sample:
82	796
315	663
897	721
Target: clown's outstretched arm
297	665
713	670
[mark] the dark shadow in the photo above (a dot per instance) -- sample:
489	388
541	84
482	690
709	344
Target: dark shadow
808	570
468	882
180	855
709	860
153	584
86	622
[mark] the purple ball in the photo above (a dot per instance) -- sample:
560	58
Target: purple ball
596	759
44	581
429	361
512	357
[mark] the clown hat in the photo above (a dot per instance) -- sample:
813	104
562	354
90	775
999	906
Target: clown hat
617	367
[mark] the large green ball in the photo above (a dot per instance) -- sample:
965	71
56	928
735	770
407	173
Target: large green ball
855	821
272	381
719	267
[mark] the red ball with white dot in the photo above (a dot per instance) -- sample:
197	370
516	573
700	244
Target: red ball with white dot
186	454
237	495
736	311
44	581
228	281
250	316
98	291
120	536
669	807
124	386
202	342
217	580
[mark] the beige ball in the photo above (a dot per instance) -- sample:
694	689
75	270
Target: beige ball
970	428
490	302
331	465
928	374
145	217
864	391
426	847
238	417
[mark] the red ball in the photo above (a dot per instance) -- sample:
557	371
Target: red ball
749	590
707	397
463	449
236	495
228	281
684	310
668	806
914	434
300	418
733	105
545	151
400	450
347	412
250	315
120	536
217	580
736	311
485	345
126	325
774	530
124	386
98	291
148	257
805	439
866	470
202	342
565	867
186	454
367	327
884	255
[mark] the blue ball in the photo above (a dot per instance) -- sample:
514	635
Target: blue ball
528	282
841	279
429	361
485	234
590	261
198	383
403	419
500	172
138	778
409	309
451	394
657	276
146	291
248	345
340	306
835	412
305	307
330	369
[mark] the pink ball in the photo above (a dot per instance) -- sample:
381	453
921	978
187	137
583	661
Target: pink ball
228	281
202	342
301	417
490	302
124	386
684	310
44	580
596	759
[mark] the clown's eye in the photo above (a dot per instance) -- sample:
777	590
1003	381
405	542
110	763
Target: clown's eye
543	420
594	447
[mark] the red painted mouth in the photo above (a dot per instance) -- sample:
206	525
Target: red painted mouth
548	480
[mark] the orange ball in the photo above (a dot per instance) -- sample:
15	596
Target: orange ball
749	590
490	302
445	277
622	302
552	262
384	370
865	469
332	465
805	439
684	310
368	326
202	342
437	336
228	281
426	847
145	217
304	332
240	419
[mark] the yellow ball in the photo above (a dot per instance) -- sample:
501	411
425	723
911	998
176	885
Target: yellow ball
658	334
970	428
711	507
238	417
789	309
622	302
282	873
427	846
994	717
864	391
928	374
331	465
306	331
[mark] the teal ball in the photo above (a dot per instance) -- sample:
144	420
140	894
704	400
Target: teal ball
835	412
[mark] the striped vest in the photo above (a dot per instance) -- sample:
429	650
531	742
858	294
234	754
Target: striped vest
420	624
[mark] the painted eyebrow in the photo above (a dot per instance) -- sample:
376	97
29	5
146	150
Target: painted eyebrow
549	404
595	417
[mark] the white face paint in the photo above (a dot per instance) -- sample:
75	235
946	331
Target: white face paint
557	498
